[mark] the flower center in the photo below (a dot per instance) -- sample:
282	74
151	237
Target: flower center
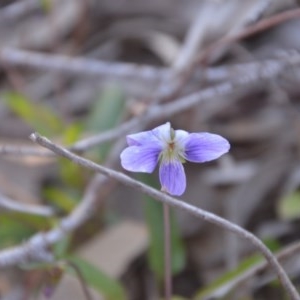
172	151
171	146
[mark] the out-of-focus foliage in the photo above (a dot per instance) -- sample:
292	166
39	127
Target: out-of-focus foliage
12	232
46	5
221	286
105	113
110	288
38	116
16	227
288	207
62	199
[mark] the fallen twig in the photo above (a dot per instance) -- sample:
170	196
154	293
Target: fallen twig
8	204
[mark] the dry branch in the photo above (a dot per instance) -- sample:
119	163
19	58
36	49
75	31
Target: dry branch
81	66
8	204
18	9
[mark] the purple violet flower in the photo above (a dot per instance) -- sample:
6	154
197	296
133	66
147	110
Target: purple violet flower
171	148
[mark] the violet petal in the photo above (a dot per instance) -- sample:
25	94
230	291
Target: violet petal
141	138
149	137
202	147
163	132
140	158
181	135
172	177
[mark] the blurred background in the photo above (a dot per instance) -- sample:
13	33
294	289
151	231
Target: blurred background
74	69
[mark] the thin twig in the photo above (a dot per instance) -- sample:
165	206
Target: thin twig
191	44
257	72
159	112
18	9
204	56
262	25
168	200
10	205
8	150
197	32
82	66
110	70
282	256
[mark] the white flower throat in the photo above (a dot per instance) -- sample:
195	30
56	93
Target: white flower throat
173	149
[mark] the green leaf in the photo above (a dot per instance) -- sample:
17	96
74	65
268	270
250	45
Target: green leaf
288	208
154	219
15	227
110	288
106	113
272	244
72	133
38	116
46	5
228	277
72	174
12	232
